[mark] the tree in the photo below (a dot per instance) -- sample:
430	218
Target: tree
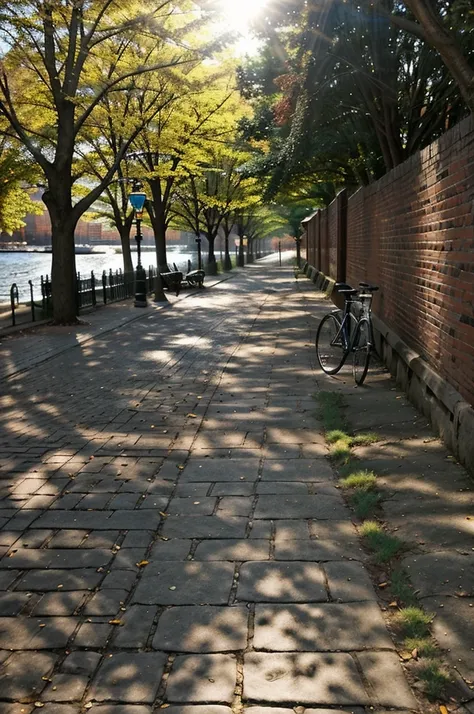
445	26
52	79
16	172
174	145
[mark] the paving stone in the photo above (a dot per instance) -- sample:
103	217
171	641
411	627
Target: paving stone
453	628
194	489
177	583
352	710
59	708
269	710
217	470
106	602
129	677
121	709
239	488
81	663
127	558
387	679
173	549
192	506
235	506
261	529
425	573
45	580
135	520
207	709
21	676
59	604
282	487
233	550
300	506
137	622
286	531
205	527
93	634
305	678
67	539
101	539
202	629
24	633
65	688
11	708
119	580
155	502
320	628
349	582
137	539
202	678
281	582
28	559
313	470
11	604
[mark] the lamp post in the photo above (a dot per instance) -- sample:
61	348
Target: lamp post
198	241
137	200
298	251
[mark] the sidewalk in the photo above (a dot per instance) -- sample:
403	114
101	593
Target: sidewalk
172	535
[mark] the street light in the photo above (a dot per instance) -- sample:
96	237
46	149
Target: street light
137	200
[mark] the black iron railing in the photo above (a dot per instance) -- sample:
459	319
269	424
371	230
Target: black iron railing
90	292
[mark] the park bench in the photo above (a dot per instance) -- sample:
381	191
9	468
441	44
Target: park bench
172	280
194	278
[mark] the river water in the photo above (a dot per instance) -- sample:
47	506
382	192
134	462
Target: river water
20	267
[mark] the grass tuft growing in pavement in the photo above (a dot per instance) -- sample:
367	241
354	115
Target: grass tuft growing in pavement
402	588
365	439
365	503
413	622
330	409
362	480
424	646
384	545
434	677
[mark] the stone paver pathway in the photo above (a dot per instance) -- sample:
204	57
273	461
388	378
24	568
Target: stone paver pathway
171	533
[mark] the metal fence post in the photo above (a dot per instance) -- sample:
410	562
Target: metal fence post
94	298
104	287
14	296
32	301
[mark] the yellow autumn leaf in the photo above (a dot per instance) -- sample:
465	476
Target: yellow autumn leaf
115	622
142	563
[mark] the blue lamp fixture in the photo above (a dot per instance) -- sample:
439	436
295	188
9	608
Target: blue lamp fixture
137	201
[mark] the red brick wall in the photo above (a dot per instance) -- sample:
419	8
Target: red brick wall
412	233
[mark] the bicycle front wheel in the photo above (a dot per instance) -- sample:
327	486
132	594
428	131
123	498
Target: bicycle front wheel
330	349
361	352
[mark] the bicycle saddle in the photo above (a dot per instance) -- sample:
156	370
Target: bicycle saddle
367	286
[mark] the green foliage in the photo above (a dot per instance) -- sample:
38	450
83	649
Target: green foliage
330	411
16	172
362	480
402	587
364	503
434	677
413	622
384	545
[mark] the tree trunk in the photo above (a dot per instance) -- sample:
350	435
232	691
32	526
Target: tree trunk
211	268
158	222
227	258
63	274
241	256
126	250
250	256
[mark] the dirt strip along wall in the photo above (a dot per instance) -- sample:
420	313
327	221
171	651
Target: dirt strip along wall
412	233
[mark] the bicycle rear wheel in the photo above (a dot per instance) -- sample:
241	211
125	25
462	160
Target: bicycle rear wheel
330	349
361	352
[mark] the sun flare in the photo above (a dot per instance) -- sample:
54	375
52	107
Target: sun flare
239	14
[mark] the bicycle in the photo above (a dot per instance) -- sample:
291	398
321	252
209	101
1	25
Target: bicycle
342	332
